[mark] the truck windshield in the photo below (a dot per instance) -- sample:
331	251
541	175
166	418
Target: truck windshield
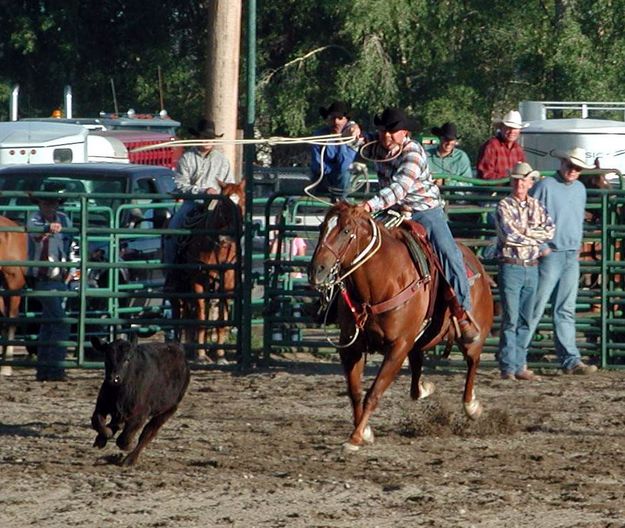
91	184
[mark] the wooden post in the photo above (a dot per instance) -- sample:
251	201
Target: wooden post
222	71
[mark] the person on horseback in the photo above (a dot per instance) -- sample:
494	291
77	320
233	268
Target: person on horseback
406	183
200	170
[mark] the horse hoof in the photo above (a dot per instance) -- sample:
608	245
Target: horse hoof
473	409
6	370
426	389
348	447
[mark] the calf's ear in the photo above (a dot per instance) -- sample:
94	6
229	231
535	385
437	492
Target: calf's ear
97	343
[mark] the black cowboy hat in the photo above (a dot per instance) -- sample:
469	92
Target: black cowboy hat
447	131
205	130
336	109
394	119
50	187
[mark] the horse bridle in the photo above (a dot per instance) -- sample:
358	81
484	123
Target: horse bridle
333	279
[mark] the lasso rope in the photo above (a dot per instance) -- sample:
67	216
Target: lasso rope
328	139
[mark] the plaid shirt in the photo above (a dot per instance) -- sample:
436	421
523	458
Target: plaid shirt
522	227
406	181
495	158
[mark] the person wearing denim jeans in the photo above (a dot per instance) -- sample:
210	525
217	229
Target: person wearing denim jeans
49	242
406	183
564	197
523	226
333	162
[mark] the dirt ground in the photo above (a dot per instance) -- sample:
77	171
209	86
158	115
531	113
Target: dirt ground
264	450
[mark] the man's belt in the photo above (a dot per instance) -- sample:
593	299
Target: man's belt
519	262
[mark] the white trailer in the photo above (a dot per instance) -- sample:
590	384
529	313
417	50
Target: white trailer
24	142
603	139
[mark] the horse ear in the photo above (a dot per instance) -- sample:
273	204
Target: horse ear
242	184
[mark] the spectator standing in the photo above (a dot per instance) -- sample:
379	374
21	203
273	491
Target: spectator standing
499	154
523	225
334	161
564	197
51	245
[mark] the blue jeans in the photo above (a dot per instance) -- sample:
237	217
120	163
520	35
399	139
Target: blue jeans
49	356
336	184
517	287
170	242
448	252
558	282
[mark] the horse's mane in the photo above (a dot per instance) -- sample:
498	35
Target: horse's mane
359	213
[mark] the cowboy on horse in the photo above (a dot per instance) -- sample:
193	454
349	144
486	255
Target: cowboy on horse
200	170
406	183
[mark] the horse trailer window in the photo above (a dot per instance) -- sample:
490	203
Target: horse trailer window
63	155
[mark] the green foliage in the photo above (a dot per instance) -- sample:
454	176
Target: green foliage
464	61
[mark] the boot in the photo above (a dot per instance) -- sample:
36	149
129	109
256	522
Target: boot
469	331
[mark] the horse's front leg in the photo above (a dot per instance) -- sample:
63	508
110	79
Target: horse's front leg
472	406
419	389
200	315
353	362
391	365
8	333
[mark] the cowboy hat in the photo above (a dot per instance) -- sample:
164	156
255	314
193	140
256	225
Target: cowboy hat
575	156
394	119
50	187
512	120
336	109
205	129
523	170
447	131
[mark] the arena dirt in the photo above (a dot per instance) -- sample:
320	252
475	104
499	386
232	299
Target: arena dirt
264	450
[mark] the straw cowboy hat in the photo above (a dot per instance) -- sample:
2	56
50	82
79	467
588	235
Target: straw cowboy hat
512	120
523	170
575	156
447	131
336	109
205	130
394	119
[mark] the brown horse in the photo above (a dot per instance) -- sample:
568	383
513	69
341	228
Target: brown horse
215	254
13	246
387	305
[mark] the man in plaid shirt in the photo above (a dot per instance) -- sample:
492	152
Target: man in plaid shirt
501	152
406	183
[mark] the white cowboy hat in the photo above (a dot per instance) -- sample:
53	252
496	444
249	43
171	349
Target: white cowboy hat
512	120
522	171
576	156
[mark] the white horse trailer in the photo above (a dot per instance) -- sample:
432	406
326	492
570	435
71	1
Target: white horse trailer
23	142
602	139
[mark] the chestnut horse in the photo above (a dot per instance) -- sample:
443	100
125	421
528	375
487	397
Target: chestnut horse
13	246
387	305
216	255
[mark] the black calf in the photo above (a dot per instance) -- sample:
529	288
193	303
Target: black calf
141	382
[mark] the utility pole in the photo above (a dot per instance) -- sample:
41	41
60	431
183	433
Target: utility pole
222	71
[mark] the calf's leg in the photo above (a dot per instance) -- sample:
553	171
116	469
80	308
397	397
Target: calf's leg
148	433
